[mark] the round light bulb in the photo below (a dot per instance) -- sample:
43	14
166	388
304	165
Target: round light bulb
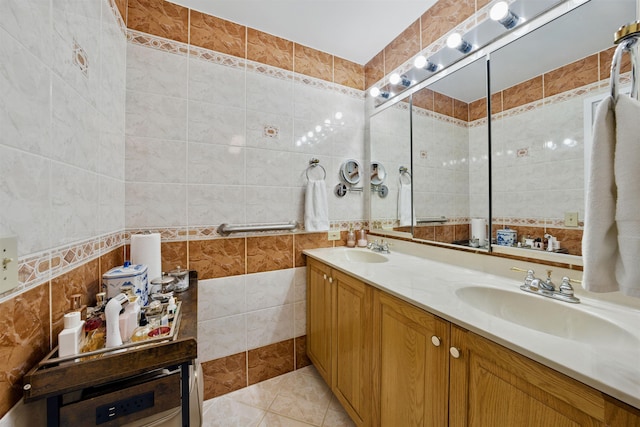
338	115
454	40
420	62
394	78
499	11
318	128
374	92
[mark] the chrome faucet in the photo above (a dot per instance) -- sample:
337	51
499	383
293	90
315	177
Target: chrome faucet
547	288
377	246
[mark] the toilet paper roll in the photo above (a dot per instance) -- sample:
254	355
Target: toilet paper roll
72	319
479	230
145	249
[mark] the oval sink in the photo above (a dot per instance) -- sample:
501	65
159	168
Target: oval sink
355	255
545	315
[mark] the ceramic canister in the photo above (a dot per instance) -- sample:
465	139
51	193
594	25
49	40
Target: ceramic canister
134	275
506	237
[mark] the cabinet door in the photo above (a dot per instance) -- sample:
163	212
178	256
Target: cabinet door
319	290
352	346
410	365
494	386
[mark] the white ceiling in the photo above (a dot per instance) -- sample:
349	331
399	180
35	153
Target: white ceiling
355	30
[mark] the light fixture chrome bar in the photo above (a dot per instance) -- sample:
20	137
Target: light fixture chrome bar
226	229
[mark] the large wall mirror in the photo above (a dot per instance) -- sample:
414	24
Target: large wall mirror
542	86
450	158
390	144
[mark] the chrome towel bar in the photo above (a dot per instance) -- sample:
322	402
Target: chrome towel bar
226	229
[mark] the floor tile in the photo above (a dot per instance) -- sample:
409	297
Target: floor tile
225	412
275	420
259	395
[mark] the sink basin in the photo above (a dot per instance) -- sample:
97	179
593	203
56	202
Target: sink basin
545	315
355	255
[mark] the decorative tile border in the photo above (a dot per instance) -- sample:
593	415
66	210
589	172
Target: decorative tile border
116	13
35	269
172	46
536	222
440	117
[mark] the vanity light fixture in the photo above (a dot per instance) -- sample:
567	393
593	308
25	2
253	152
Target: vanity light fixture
501	13
397	79
423	63
375	92
455	41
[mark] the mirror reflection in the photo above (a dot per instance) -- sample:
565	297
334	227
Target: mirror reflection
390	142
543	87
378	173
450	158
350	172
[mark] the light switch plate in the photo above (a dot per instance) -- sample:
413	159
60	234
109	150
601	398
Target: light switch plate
8	263
571	219
334	235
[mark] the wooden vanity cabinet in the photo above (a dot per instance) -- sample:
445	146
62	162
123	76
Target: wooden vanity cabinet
391	364
410	364
319	292
339	336
491	385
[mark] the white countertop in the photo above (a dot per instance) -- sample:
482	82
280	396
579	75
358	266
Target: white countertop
613	368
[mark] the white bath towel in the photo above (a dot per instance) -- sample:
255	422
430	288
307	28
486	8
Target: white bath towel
316	208
627	176
404	204
599	241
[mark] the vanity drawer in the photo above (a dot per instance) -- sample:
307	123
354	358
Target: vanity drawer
125	405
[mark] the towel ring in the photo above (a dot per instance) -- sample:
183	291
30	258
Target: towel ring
315	163
404	171
626	45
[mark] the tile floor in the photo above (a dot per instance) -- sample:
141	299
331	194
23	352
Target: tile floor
298	399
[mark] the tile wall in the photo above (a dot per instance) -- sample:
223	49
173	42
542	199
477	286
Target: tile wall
62	161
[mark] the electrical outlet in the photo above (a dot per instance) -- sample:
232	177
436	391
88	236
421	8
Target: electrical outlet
334	235
8	263
571	219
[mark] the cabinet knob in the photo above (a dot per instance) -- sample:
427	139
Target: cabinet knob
435	341
325	276
455	352
330	279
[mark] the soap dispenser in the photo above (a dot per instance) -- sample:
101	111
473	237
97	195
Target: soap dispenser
351	237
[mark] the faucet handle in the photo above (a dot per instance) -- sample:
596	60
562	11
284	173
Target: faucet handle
565	287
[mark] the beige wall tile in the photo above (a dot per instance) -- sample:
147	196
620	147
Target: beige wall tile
312	62
522	93
374	70
270	361
571	76
270	50
443	16
222	376
217	34
348	73
403	47
160	18
269	253
217	258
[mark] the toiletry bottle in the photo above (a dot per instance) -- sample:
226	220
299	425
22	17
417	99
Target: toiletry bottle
351	237
71	337
362	238
171	308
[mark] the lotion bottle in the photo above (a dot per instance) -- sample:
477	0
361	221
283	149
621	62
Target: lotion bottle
351	237
70	338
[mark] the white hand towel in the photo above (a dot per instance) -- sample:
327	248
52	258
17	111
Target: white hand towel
627	176
316	208
599	241
404	204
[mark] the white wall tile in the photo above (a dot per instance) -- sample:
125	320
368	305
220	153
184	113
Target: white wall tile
222	337
271	204
216	124
216	84
270	289
156	116
269	168
155	205
221	297
269	326
156	71
18	15
111	205
75	127
300	318
300	280
265	93
216	164
155	160
25	103
258	120
74	204
25	199
216	204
